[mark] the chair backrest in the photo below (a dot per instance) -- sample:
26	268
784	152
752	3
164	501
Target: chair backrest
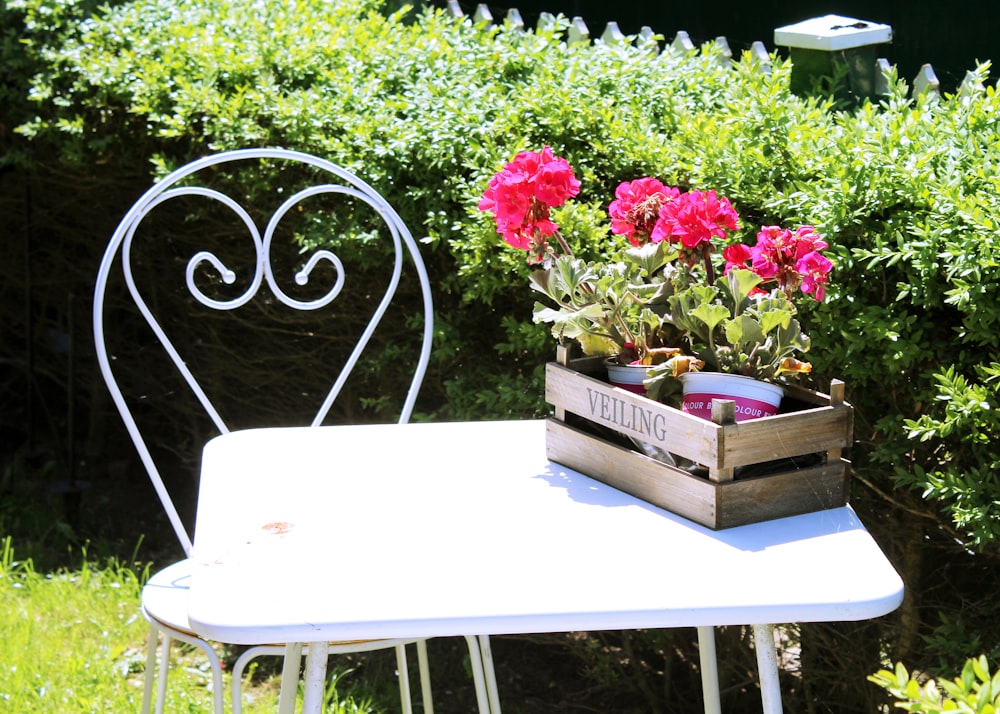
207	278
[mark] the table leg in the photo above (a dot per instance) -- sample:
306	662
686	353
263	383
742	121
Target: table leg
315	686
767	667
290	678
709	670
403	673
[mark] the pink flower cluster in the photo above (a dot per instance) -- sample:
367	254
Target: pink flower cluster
792	260
521	194
647	211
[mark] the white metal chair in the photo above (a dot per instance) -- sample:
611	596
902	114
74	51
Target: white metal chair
207	278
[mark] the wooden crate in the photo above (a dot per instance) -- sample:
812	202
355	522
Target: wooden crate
750	471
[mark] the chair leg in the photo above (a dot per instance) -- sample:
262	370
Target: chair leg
240	665
425	677
148	676
404	680
164	670
290	677
168	636
218	688
478	676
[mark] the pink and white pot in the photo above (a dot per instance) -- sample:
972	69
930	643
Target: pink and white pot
754	398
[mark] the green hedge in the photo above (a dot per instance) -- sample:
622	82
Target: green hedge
427	107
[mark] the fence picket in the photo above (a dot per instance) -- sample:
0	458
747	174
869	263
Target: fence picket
648	40
613	36
760	55
882	71
546	22
682	42
514	19
926	82
971	86
483	14
577	32
725	53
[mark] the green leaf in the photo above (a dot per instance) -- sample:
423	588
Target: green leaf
741	283
711	315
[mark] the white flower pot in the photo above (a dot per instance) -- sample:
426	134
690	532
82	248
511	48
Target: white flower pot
627	376
754	399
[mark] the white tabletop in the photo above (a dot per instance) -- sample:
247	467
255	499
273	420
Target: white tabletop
337	533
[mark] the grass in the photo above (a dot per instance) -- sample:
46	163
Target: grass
74	641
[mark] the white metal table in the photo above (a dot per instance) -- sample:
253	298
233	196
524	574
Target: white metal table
466	529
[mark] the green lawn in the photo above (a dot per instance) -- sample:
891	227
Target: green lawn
74	641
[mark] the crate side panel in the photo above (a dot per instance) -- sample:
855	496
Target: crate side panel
805	432
786	494
633	415
633	473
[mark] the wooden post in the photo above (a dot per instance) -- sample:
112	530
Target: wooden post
563	353
723	413
837	393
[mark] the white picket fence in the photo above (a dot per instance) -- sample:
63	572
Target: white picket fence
926	81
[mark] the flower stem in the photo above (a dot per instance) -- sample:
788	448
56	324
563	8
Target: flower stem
564	245
709	268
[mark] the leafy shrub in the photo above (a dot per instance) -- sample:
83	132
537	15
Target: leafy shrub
975	690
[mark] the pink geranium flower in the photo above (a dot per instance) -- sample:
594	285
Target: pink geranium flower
636	208
792	259
520	195
736	255
694	218
815	271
